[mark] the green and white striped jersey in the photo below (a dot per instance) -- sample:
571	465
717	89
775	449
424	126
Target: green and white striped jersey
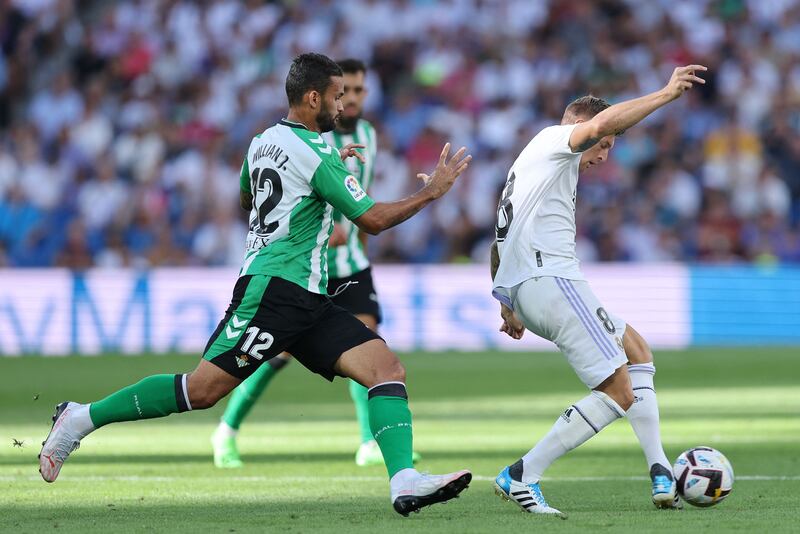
351	258
296	180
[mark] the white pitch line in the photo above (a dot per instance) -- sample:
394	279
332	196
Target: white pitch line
637	478
479	478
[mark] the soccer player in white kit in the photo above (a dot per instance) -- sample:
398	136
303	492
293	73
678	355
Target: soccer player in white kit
539	283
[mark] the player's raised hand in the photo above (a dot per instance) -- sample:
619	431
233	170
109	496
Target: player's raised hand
350	150
683	79
444	175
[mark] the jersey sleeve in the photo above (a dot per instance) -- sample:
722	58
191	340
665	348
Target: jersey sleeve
244	177
333	182
557	140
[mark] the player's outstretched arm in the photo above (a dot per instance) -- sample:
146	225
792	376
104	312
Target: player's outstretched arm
384	215
619	117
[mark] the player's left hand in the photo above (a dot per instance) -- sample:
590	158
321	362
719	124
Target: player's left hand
349	151
444	175
511	323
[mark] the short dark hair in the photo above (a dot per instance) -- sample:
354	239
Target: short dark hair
352	66
309	72
586	107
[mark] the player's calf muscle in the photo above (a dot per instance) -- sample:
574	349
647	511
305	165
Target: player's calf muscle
207	384
202	399
621	396
636	348
618	387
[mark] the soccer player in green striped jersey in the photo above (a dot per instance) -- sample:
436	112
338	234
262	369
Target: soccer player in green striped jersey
349	257
292	180
350	283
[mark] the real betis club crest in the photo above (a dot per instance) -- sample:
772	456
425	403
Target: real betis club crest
242	360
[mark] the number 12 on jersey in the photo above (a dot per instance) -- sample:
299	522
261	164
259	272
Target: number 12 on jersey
267	193
252	334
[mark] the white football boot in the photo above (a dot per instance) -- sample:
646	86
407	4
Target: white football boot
70	424
415	490
527	496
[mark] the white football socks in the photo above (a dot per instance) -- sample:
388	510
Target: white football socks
81	420
577	424
643	414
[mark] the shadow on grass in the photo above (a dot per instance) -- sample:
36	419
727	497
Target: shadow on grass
236	514
613	507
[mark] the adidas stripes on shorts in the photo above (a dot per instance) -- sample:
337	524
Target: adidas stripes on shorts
567	313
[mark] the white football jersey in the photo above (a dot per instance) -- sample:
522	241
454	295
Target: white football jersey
535	229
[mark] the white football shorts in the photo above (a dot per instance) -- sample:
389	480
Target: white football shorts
567	313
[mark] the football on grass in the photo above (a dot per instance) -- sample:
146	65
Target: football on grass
704	476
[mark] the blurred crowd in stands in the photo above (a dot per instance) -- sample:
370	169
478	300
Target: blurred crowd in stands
123	124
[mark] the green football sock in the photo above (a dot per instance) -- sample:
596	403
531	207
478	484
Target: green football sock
247	393
154	396
390	420
360	397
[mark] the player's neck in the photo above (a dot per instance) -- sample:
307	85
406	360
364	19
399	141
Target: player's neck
309	123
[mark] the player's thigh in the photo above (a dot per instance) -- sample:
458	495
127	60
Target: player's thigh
534	301
636	348
357	295
335	333
265	316
568	313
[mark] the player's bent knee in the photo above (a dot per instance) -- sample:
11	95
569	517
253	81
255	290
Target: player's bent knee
391	372
398	372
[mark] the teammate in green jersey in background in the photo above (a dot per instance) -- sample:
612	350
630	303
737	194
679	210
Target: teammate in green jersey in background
292	180
350	282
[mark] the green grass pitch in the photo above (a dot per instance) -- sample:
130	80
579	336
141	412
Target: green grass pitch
476	411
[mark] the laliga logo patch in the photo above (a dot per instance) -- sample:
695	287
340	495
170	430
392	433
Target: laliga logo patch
354	187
